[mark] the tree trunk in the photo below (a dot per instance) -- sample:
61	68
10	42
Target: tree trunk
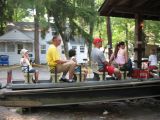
36	39
2	16
65	40
90	41
91	27
109	35
126	26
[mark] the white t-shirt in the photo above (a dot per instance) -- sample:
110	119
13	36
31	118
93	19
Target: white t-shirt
74	59
25	63
153	60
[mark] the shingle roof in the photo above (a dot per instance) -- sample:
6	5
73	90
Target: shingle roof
15	36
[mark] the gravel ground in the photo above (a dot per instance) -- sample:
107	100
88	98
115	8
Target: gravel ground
144	109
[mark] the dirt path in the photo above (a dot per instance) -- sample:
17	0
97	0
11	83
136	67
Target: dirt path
6	114
144	109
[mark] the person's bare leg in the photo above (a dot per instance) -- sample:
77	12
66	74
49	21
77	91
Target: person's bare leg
117	73
67	67
72	69
85	74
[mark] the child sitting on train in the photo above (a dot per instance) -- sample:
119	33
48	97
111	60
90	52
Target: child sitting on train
26	65
72	56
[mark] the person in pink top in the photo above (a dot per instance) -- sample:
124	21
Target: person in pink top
120	59
119	56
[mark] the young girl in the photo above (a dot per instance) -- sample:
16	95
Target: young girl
72	56
26	66
120	59
119	56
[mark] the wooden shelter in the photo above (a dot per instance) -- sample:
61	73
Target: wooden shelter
137	9
148	9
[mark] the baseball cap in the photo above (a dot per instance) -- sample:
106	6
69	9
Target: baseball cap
23	51
97	40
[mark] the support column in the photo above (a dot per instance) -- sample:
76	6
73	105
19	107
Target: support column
109	35
138	38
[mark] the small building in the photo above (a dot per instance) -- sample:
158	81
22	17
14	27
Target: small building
21	35
81	49
11	44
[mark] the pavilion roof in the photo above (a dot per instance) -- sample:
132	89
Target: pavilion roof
148	9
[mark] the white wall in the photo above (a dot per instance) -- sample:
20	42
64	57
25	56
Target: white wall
14	58
79	55
44	41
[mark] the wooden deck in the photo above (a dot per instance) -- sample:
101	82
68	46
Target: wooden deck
49	94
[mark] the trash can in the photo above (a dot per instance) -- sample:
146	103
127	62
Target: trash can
4	60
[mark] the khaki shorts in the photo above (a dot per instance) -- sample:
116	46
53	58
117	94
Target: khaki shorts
65	67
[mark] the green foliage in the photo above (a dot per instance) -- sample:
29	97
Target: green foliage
119	28
5	15
75	11
44	26
152	31
122	29
81	16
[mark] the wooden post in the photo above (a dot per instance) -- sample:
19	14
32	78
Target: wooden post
80	72
55	72
109	35
138	38
28	77
9	76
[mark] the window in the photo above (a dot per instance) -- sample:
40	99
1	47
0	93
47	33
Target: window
43	49
10	47
74	47
2	47
82	49
19	47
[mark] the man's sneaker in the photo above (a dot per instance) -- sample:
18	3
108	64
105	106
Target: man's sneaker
63	80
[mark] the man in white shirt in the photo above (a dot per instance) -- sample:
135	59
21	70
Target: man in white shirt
152	60
153	63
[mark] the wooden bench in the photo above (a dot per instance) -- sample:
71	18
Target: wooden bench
124	73
28	77
79	73
80	76
97	75
55	77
